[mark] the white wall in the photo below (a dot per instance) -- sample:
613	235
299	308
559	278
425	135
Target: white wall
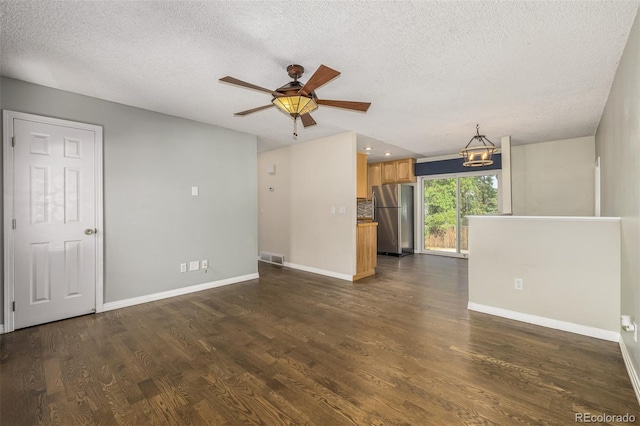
554	178
570	268
295	218
618	146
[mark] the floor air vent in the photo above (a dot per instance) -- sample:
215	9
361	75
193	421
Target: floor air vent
276	259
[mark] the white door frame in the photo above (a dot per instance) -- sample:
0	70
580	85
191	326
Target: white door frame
9	273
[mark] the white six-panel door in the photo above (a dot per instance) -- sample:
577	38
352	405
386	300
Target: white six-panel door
55	244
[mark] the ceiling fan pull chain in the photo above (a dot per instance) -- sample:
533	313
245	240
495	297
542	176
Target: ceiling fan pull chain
295	128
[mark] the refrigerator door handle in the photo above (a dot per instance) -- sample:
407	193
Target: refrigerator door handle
373	206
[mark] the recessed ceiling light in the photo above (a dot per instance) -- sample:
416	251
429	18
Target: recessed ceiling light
387	154
367	148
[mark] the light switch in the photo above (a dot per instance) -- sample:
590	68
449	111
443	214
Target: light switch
194	266
343	210
194	190
332	210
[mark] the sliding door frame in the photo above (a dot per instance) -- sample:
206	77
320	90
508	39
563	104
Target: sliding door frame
422	215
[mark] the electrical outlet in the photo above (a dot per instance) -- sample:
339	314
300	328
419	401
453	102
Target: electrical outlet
205	264
519	284
194	266
635	332
183	267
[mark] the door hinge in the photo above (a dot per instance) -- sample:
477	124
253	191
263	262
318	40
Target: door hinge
14	306
13	224
13	141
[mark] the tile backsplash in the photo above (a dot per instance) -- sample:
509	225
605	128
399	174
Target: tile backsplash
365	208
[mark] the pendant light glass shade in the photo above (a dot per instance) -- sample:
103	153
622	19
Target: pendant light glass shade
478	155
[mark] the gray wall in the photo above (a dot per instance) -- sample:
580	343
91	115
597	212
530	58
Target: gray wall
151	161
570	270
554	178
618	146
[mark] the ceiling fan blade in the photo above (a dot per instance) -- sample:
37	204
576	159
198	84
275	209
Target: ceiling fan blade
307	120
356	106
322	76
246	85
251	111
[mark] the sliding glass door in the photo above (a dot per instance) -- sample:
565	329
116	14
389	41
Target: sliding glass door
440	214
448	200
478	196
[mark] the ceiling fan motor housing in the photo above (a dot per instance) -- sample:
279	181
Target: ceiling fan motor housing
293	88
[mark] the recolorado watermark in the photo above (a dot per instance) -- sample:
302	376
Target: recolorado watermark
604	418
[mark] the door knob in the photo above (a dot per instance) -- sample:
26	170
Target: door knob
90	231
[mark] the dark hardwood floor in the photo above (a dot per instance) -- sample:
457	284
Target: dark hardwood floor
298	348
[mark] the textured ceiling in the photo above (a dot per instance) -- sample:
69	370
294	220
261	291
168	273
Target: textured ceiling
535	70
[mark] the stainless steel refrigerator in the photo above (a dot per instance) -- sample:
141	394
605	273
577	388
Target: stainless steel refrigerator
394	214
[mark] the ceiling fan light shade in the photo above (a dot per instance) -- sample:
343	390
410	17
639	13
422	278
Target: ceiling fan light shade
295	105
480	154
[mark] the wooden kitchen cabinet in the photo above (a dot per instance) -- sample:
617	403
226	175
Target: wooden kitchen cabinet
361	175
366	249
398	171
375	178
405	170
389	172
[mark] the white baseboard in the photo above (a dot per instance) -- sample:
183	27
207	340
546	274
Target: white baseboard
598	333
319	271
1	328
633	375
177	292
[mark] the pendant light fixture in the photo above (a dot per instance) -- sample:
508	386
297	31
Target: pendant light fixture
479	154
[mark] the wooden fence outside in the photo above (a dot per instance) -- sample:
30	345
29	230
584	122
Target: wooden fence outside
447	240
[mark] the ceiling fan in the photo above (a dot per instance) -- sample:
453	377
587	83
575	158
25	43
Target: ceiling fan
298	100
